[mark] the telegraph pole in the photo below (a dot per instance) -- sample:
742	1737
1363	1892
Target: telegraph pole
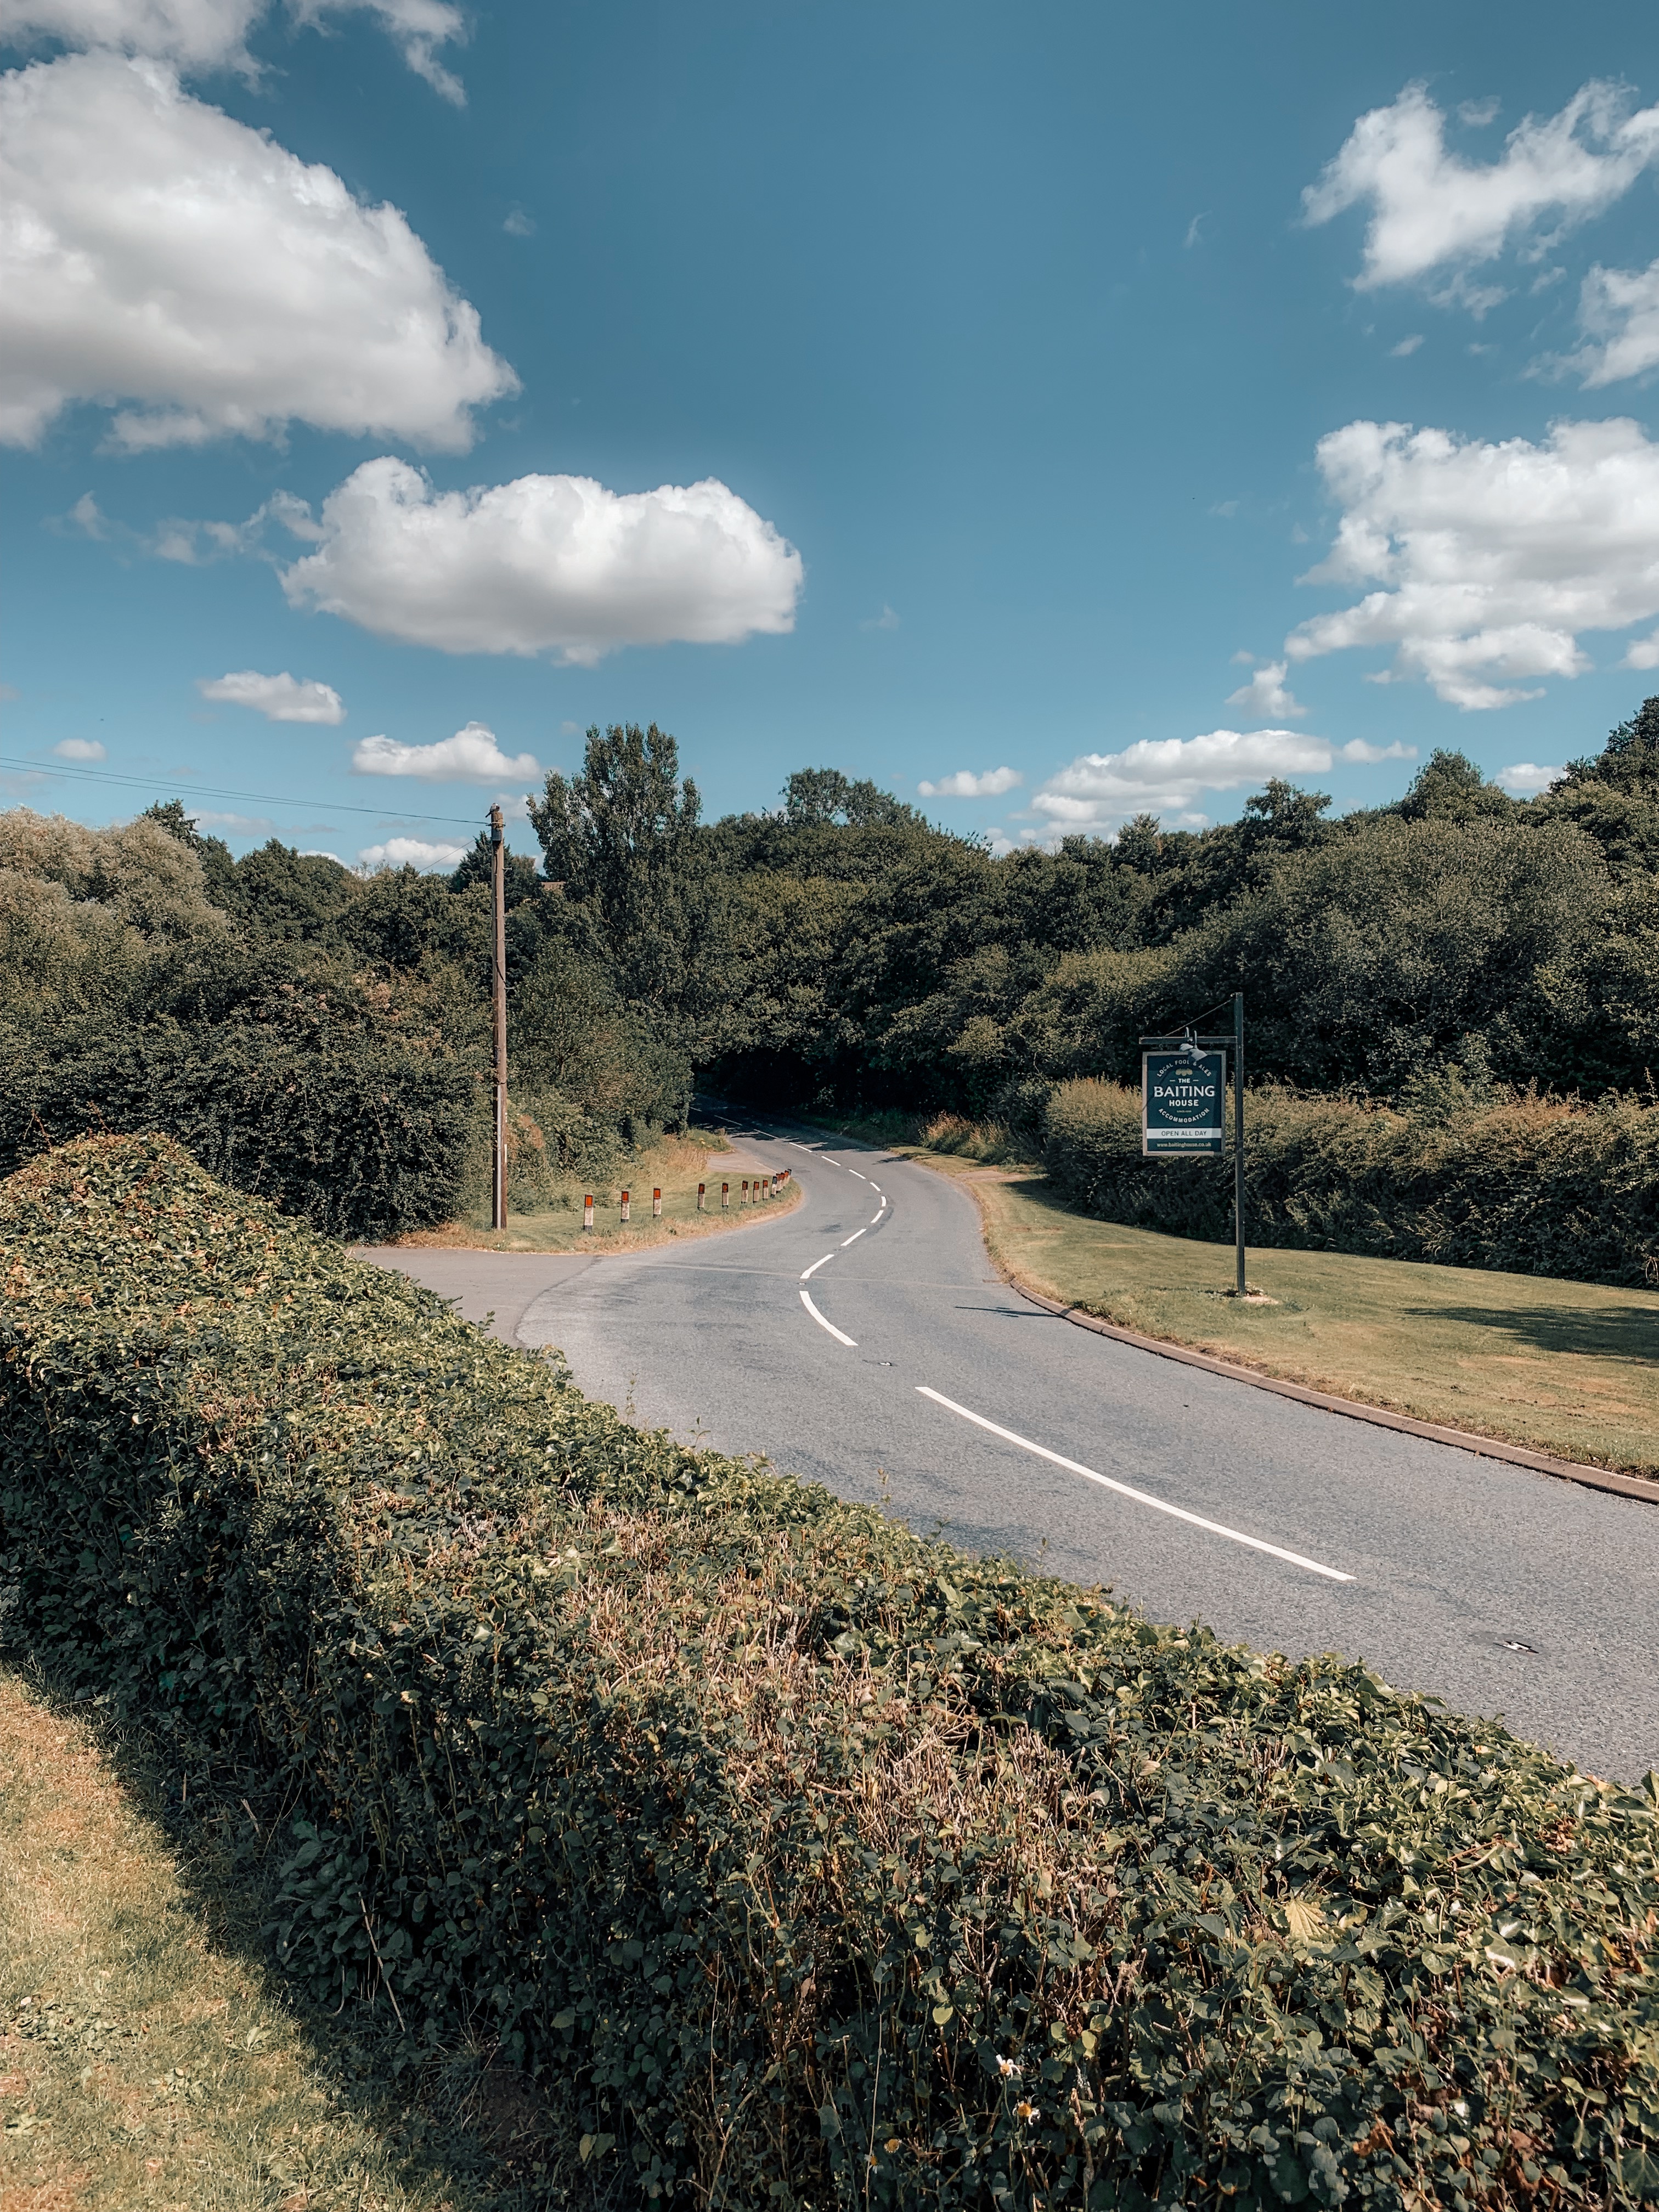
498	1008
1238	1134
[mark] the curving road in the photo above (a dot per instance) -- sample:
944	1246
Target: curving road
863	1339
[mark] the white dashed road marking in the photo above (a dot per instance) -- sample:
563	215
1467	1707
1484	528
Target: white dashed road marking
1123	1490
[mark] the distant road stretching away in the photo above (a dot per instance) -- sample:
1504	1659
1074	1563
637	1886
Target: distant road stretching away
863	1340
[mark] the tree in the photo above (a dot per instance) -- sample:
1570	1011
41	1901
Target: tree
620	837
1449	788
816	795
519	880
1631	756
218	869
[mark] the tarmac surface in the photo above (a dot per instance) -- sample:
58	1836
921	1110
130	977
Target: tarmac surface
863	1341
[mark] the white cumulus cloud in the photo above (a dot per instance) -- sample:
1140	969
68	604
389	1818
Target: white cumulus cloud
1526	777
1645	654
281	698
545	564
1368	755
471	756
1431	211
153	251
1490	559
79	748
1266	696
411	853
964	784
1618	313
212	34
1164	775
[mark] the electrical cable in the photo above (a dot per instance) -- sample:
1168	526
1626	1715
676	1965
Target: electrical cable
213	790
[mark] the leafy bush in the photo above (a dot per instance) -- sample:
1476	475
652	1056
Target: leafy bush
805	1862
1523	1183
332	1114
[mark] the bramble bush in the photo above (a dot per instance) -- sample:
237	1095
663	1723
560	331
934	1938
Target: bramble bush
1532	1185
802	1862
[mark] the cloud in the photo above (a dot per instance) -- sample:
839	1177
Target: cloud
79	748
158	252
1357	750
413	852
1526	777
1432	211
280	698
885	620
471	756
964	784
1644	653
1265	696
518	224
1618	313
212	34
1491	557
545	564
416	27
89	517
1165	775
1194	232
1407	346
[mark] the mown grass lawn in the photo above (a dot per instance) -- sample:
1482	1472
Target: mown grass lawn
1568	1367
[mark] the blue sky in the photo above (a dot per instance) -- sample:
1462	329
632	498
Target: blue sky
1005	369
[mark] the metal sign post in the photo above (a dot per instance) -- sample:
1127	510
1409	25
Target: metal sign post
1183	1086
498	1020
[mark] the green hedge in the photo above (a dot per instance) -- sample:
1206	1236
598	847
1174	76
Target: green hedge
1529	1185
806	1863
343	1124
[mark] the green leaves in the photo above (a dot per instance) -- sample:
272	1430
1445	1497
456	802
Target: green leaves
772	1840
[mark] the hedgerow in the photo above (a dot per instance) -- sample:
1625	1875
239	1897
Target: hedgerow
803	1861
1532	1185
347	1122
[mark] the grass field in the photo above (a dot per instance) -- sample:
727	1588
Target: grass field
147	2061
676	1167
1571	1369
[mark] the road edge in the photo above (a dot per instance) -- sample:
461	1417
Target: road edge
1354	1409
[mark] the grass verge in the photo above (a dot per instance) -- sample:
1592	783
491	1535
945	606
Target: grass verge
676	1167
144	2064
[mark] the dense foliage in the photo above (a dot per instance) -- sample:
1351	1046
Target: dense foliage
805	1863
836	951
1460	1176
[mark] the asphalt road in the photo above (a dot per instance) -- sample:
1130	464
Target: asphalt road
863	1340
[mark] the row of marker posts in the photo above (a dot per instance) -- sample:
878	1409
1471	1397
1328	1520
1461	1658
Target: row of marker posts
765	1187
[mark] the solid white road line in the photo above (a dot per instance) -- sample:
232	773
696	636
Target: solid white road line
846	1241
807	1274
877	1215
1140	1497
840	1335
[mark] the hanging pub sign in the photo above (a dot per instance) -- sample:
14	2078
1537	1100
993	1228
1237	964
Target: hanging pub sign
1182	1098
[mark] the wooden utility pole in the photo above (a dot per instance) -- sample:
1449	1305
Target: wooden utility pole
498	1008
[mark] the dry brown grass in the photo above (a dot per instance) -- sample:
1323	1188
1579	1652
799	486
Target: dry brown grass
675	1166
143	2068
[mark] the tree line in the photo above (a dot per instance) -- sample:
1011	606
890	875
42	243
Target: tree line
840	951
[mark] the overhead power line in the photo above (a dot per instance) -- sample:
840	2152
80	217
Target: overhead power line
213	790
